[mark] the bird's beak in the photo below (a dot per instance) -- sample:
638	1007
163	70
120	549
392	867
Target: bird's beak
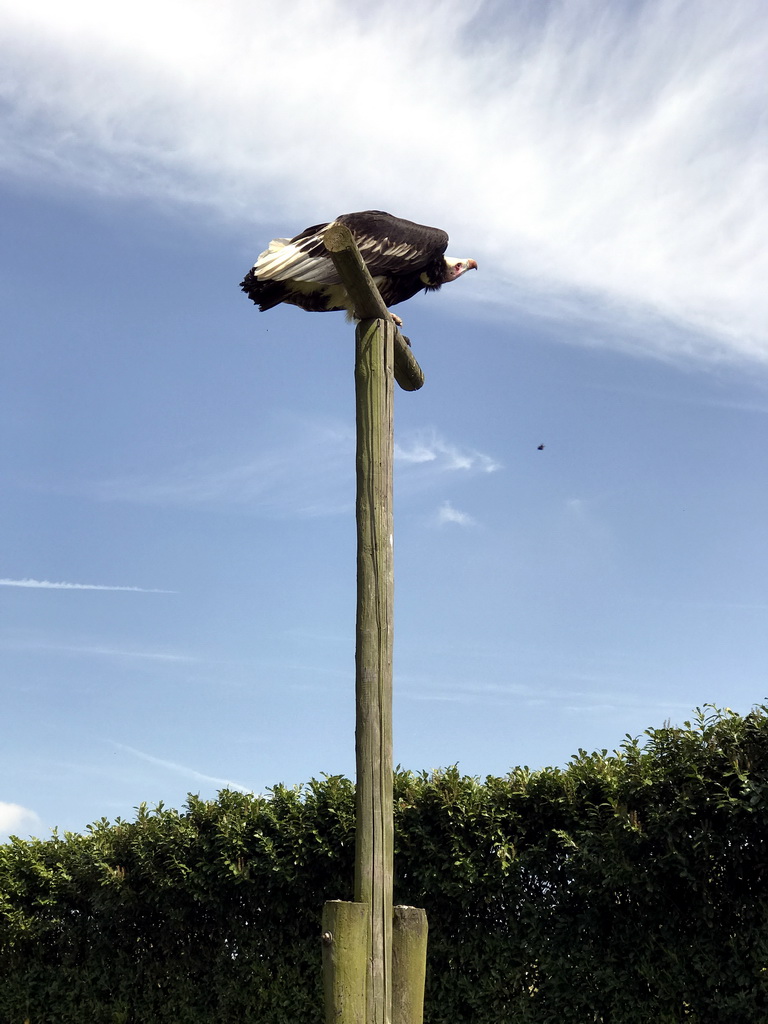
471	264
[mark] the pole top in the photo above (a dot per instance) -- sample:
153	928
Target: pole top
367	301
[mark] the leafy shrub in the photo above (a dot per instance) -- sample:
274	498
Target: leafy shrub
625	888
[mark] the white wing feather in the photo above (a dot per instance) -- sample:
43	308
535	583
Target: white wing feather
301	260
285	260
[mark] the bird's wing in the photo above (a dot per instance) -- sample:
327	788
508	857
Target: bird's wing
387	244
391	245
303	258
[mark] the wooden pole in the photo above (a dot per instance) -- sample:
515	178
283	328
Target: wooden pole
374	392
345	931
368	303
381	355
409	964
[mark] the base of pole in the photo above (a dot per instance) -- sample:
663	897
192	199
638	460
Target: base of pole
345	962
409	964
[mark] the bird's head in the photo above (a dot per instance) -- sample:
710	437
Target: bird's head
455	268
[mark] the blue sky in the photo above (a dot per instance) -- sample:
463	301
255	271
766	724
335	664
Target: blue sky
177	565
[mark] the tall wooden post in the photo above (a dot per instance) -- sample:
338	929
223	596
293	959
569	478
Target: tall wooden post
381	355
409	964
346	927
374	391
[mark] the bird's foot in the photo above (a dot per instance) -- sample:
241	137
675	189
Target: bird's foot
396	319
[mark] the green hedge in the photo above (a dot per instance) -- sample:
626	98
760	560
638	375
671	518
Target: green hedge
627	888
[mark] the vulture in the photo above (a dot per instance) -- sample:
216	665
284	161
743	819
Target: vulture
402	257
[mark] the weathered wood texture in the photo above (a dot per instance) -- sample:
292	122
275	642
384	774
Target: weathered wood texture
374	391
409	964
381	356
368	302
345	928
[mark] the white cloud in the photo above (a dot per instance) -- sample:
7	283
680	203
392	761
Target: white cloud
181	769
33	642
121	653
543	693
576	506
48	585
601	160
309	471
17	820
448	514
441	455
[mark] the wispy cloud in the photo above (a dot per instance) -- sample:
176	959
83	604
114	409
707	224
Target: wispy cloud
308	470
17	820
33	642
124	653
181	769
635	198
49	585
423	463
448	514
570	699
428	448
